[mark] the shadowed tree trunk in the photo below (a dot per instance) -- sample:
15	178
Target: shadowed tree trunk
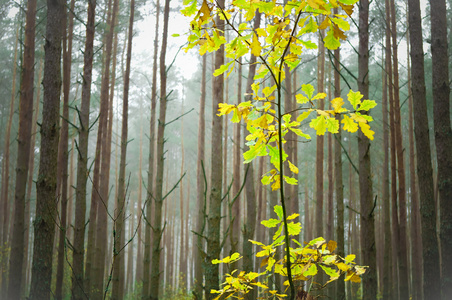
430	251
63	154
23	155
402	249
44	225
157	227
214	215
387	256
368	249
79	227
443	137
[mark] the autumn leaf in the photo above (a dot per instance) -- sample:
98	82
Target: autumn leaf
354	98
319	125
255	46
365	128
349	124
331	42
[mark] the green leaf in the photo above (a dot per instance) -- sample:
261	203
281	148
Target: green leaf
258	150
330	272
367	104
294	228
319	125
354	98
175	35
222	69
308	89
332	124
278	211
311	271
266	180
270	223
331	42
301	133
290	180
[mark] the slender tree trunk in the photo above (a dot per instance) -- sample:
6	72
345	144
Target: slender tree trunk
443	137
430	250
387	256
63	154
416	243
151	162
402	250
79	227
25	268
339	185
139	258
157	228
5	165
368	249
214	215
250	220
183	234
23	154
119	225
44	226
200	189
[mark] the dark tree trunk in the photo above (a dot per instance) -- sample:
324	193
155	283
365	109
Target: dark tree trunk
443	137
44	225
82	167
23	155
430	250
368	249
214	215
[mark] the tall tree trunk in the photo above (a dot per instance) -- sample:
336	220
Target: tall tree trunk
339	185
183	234
157	227
25	268
23	154
4	200
368	249
214	215
82	170
416	243
200	189
151	162
443	137
63	154
387	265
250	220
119	224
139	258
44	226
430	250
402	251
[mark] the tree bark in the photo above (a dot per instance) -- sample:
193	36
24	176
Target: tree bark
430	250
214	215
44	226
368	249
79	227
119	224
23	155
157	228
200	189
443	137
151	162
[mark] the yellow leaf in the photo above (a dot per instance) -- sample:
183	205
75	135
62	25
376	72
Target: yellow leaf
205	11
277	184
337	104
293	168
303	116
255	46
365	128
331	246
349	124
343	267
261	32
225	108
